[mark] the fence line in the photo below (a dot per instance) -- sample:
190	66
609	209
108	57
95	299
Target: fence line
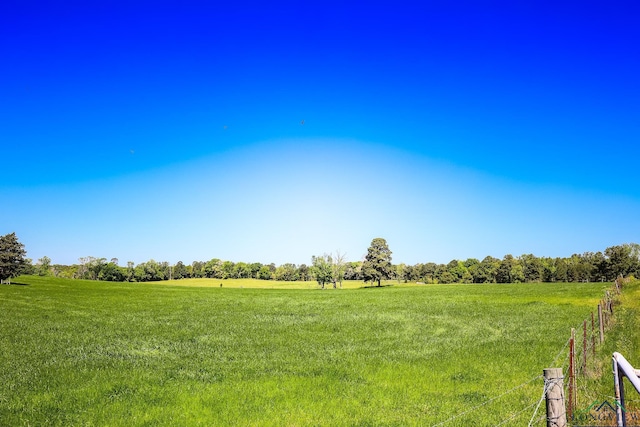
586	352
582	345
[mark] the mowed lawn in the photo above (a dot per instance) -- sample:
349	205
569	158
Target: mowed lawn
127	354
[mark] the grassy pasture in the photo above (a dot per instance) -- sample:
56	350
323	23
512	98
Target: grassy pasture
97	353
264	284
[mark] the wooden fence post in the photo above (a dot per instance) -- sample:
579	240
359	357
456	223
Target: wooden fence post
600	325
554	395
572	373
611	308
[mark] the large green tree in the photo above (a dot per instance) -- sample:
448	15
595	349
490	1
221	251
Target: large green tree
11	257
322	269
621	260
377	263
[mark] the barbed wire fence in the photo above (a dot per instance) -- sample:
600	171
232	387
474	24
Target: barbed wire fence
577	361
585	339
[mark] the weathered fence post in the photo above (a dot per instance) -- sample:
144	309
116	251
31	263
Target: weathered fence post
572	373
609	306
554	395
600	325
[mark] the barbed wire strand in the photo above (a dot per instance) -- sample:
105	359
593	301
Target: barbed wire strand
545	389
517	414
486	402
540	419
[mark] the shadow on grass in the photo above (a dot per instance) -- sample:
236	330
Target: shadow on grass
376	286
15	284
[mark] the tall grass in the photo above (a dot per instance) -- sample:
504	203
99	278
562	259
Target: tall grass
96	353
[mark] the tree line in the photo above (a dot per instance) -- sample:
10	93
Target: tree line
614	261
332	269
587	267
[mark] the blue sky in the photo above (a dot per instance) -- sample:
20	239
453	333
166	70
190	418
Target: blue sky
270	133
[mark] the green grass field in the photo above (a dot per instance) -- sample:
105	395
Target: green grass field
98	353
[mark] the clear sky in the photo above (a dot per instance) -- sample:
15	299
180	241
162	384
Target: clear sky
274	131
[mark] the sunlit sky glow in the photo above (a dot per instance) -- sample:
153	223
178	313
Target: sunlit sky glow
190	130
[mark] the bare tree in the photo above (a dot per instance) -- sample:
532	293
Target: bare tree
338	269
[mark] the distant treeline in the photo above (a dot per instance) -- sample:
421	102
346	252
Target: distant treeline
588	267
